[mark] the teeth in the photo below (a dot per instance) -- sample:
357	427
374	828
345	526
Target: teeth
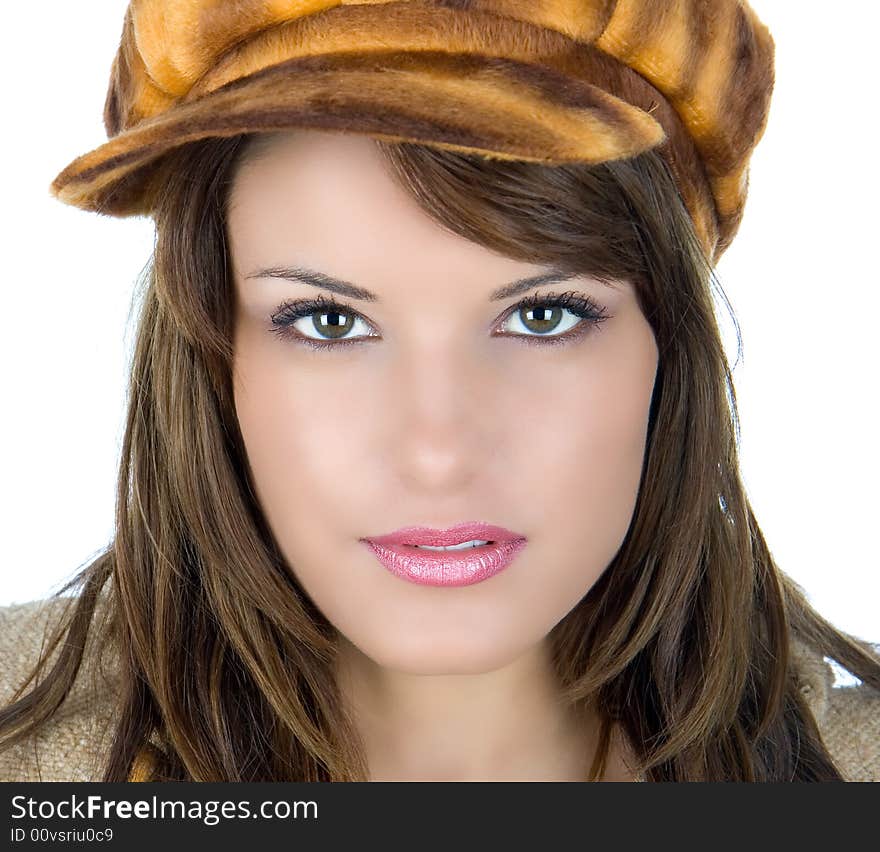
465	545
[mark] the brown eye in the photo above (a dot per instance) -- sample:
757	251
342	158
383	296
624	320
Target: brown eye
537	320
319	322
332	324
541	320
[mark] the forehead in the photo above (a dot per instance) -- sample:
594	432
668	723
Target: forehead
329	202
307	176
299	156
324	200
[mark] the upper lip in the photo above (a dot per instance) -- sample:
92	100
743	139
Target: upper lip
457	534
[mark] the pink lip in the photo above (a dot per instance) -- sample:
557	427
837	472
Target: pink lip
397	552
446	537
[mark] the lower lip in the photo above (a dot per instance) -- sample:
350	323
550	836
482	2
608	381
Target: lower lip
449	567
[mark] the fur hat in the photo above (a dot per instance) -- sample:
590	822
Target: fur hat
548	81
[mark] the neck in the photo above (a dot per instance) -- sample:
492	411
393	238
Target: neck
503	725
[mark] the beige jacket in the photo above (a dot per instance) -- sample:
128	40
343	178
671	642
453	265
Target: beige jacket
71	746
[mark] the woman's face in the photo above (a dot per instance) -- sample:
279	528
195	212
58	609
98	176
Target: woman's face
441	414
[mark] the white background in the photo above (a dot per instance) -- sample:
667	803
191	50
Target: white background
801	276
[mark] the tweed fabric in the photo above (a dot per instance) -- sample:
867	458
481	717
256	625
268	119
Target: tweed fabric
73	745
548	81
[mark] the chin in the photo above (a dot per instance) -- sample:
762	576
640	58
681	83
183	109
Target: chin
434	655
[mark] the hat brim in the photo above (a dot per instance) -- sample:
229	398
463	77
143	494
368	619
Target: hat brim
498	107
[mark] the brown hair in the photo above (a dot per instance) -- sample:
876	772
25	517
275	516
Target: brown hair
224	663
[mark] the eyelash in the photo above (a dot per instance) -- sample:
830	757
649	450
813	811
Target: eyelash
581	306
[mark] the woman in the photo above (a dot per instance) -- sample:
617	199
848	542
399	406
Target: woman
347	336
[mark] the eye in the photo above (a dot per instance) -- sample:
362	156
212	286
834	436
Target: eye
542	315
323	323
319	322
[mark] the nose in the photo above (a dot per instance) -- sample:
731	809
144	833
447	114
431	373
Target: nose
444	421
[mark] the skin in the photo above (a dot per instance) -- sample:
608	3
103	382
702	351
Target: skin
433	422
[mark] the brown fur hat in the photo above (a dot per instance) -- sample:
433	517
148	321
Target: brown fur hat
549	81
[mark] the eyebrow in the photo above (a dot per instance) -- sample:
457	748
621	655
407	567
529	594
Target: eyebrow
305	275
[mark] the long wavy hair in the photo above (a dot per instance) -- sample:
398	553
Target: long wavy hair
225	665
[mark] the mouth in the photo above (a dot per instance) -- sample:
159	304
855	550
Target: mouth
452	548
461	565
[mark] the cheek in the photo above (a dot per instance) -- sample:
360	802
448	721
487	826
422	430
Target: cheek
297	431
579	462
589	443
